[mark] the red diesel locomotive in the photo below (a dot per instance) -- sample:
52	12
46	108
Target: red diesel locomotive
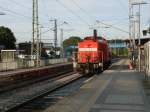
93	54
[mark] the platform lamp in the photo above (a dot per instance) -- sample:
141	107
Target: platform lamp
139	36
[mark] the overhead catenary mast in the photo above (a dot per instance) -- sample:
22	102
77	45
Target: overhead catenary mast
35	33
130	21
61	42
132	31
138	27
55	33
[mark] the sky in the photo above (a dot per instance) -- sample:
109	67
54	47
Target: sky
81	16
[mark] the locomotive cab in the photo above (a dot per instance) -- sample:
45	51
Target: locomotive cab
93	54
90	56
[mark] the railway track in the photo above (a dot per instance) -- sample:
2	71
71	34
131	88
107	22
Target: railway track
22	83
43	91
11	100
42	103
19	78
16	79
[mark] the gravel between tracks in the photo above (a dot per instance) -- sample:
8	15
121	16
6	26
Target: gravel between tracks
19	96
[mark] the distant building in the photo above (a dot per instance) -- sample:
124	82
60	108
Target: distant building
26	47
68	51
117	43
46	49
47	46
118	47
143	41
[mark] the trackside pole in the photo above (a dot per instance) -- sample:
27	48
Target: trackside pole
74	62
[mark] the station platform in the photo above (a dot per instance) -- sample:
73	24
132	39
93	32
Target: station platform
18	71
117	89
12	79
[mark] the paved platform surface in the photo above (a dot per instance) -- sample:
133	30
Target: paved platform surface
17	71
116	90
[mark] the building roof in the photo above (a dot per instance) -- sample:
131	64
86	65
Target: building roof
143	41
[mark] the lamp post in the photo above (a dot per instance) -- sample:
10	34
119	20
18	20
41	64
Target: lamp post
139	31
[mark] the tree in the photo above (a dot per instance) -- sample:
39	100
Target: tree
7	38
71	41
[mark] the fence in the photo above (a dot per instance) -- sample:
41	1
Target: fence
26	63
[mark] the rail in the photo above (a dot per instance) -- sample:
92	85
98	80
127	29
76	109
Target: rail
10	101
